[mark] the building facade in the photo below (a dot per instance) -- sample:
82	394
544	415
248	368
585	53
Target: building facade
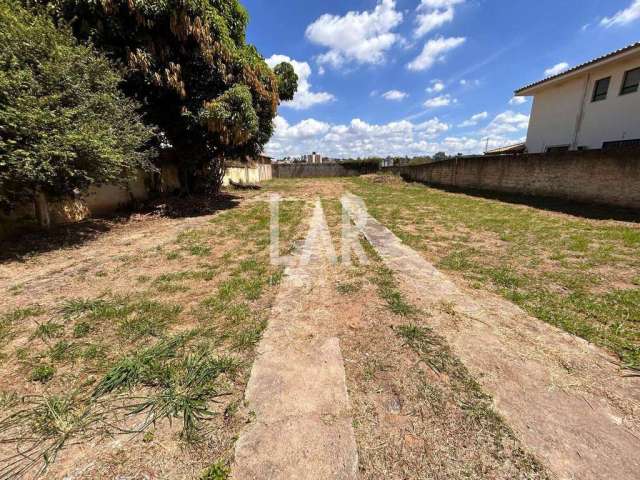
313	158
592	106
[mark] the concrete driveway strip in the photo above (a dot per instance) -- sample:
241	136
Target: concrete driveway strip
301	424
565	398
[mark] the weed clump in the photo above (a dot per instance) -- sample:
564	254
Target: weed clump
217	471
42	373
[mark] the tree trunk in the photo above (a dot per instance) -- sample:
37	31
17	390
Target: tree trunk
218	171
42	210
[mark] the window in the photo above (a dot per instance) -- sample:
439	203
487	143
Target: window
558	149
601	89
621	144
631	81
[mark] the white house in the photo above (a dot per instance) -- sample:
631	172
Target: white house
594	105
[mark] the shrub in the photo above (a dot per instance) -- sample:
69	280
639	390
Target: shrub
64	123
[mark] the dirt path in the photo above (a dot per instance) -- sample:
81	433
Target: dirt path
302	428
565	398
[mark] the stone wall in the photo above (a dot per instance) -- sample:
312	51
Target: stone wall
598	177
303	170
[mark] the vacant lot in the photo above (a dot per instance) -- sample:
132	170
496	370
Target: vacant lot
126	351
578	274
108	342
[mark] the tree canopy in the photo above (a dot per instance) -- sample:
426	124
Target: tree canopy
188	63
64	123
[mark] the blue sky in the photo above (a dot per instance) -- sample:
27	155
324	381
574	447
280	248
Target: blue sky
413	77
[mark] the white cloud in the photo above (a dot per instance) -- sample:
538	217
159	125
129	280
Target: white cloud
474	120
360	37
435	50
508	122
623	17
356	139
428	21
518	100
304	97
441	101
432	14
361	139
556	69
440	3
436	86
395	95
469	83
305	129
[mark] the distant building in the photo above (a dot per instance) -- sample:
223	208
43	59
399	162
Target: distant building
509	149
313	158
594	105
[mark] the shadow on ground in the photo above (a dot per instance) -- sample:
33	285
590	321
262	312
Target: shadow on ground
32	241
190	206
577	209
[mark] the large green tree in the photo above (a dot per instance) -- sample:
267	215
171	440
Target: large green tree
187	61
64	123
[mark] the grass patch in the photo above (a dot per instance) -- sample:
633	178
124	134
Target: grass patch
388	291
44	426
82	329
179	383
8	320
348	288
217	471
130	370
42	373
49	330
143	380
20	314
558	268
199	250
63	351
173	256
465	391
135	317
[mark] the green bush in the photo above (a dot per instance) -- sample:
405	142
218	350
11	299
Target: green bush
64	123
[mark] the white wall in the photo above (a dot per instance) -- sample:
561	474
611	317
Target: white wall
556	109
248	174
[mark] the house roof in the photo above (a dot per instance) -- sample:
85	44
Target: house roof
580	68
516	148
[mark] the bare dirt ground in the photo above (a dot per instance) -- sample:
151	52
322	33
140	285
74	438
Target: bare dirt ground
566	399
442	383
74	316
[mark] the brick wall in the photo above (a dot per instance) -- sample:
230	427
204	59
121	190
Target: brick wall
607	178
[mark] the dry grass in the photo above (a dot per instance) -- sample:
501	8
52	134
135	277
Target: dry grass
575	273
134	362
418	413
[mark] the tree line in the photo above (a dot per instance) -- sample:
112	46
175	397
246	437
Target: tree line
92	91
